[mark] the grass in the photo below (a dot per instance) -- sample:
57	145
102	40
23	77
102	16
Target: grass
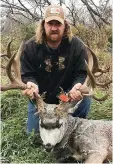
102	109
16	145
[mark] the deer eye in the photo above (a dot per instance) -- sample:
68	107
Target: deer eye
58	125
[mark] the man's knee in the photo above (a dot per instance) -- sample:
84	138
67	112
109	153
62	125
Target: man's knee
83	108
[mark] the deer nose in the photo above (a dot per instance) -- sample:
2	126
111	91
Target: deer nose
48	147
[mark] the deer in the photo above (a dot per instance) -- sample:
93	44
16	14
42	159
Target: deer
62	134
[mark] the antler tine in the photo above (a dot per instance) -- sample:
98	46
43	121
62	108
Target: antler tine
102	98
96	66
20	50
89	83
92	79
98	74
62	91
86	91
16	61
8	69
15	83
9	50
103	70
4	56
104	84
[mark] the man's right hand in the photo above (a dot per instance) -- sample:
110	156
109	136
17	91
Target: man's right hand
31	87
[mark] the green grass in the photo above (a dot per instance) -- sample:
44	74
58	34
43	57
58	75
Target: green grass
101	110
16	145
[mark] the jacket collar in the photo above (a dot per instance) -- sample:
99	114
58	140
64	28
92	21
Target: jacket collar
62	45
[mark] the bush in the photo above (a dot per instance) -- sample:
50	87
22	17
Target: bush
27	31
95	37
20	33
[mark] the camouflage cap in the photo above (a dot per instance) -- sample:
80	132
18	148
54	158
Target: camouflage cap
54	12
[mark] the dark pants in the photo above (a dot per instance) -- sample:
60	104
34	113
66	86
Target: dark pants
33	120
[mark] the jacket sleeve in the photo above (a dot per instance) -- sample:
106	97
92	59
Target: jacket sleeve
28	64
79	68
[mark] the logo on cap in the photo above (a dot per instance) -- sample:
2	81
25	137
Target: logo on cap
55	11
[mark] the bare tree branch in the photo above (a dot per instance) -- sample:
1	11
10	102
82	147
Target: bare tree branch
35	9
19	13
94	12
95	6
93	17
48	2
26	9
16	20
14	7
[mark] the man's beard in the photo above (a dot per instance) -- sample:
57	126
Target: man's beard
53	39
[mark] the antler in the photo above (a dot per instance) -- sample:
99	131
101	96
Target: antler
88	86
95	67
16	83
40	103
92	68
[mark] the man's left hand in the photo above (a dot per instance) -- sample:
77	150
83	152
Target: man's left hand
74	93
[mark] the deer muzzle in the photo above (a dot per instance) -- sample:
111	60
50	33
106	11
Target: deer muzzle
48	147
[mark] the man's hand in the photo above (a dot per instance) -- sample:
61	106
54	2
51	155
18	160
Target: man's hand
74	93
31	87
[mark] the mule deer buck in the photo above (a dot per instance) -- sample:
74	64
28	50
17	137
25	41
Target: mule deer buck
82	139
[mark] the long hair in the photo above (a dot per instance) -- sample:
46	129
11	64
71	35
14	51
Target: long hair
40	32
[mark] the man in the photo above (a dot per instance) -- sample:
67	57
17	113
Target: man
52	59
